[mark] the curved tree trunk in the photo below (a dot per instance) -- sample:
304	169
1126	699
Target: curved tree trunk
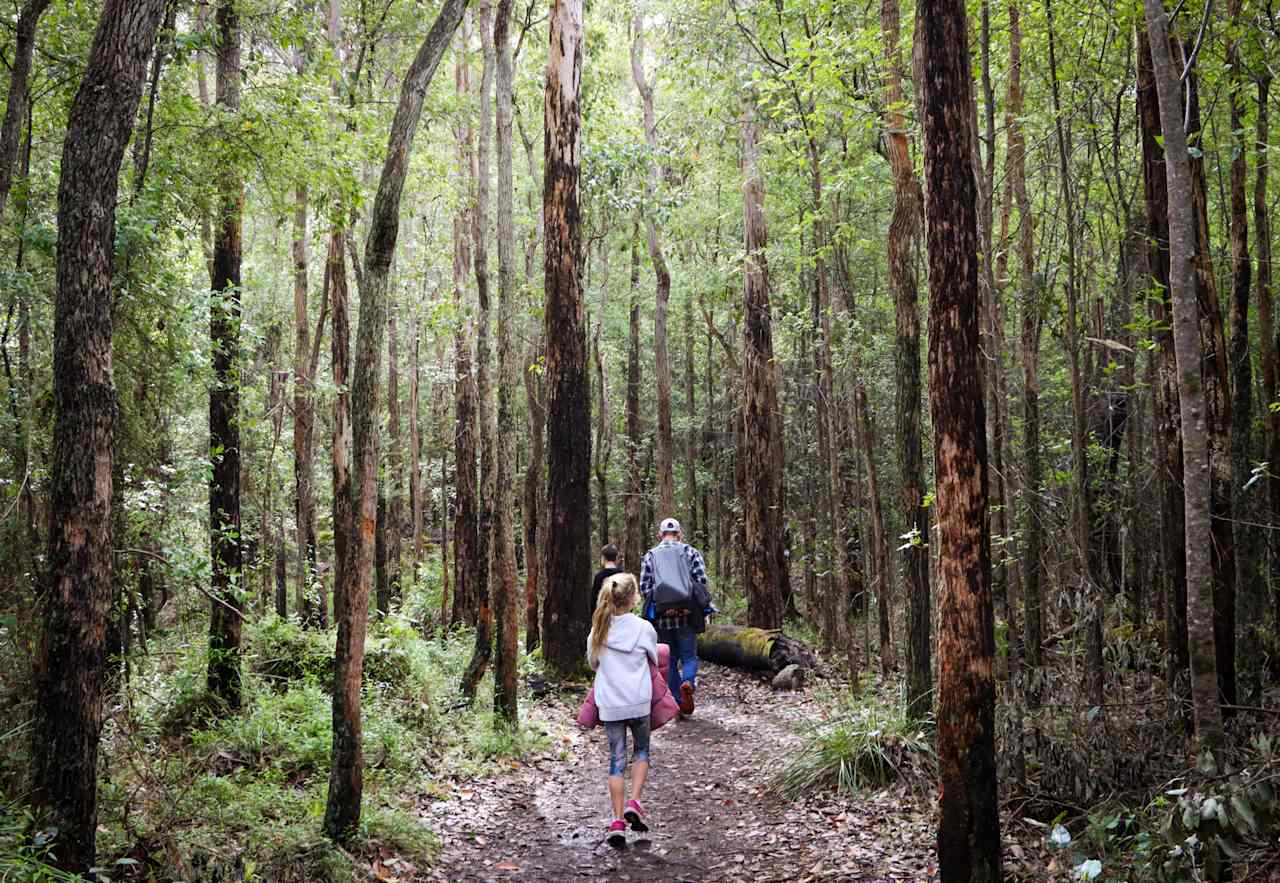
567	565
224	395
346	779
19	96
969	828
79	584
662	279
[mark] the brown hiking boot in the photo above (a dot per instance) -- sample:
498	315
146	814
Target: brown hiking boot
686	698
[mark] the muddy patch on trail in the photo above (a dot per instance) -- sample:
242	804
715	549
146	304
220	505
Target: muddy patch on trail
711	815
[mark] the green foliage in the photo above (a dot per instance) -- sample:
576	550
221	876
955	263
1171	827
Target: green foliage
863	745
23	854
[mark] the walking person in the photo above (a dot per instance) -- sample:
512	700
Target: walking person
619	649
673	581
608	567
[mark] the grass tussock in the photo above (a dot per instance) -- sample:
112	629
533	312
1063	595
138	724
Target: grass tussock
864	744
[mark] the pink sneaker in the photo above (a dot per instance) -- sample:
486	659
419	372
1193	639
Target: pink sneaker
617	833
635	815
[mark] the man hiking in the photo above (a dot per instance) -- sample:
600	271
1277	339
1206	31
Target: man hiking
673	581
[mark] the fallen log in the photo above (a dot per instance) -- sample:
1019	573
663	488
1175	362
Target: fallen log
761	650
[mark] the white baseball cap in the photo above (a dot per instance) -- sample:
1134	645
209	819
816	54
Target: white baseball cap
669	525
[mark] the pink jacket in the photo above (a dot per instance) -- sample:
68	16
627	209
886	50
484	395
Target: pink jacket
662	708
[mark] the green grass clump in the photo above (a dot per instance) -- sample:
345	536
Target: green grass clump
862	746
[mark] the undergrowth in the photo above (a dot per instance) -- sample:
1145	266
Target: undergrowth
866	742
193	791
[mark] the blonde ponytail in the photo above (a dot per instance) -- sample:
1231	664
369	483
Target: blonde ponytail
617	596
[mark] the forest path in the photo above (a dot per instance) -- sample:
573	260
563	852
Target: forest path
707	804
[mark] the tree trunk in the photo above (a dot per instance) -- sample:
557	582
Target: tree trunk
1031	324
504	552
1251	588
662	278
275	416
759	426
483	649
346	779
224	395
567	565
19	96
79	582
340	355
415	446
1191	393
1215	382
1081	513
303	415
603	447
969	828
1266	330
903	241
696	529
635	476
534	515
393	482
466	534
1168	413
879	543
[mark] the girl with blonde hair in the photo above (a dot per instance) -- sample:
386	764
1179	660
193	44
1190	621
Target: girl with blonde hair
619	649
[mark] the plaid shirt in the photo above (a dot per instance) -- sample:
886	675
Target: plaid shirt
697	570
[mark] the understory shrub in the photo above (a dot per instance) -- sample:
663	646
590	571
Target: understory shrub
866	743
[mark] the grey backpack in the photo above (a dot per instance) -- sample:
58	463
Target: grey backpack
672	577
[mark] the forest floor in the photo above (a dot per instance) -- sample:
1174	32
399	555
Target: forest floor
711	813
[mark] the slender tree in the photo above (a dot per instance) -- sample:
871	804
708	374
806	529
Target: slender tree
903	241
1266	321
634	504
1191	393
662	275
567	565
1030	330
466	559
503	575
79	583
969	827
1168	432
346	778
19	97
483	649
224	395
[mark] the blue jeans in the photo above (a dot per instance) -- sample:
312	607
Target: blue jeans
684	658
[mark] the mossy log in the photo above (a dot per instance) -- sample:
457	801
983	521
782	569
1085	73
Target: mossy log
762	650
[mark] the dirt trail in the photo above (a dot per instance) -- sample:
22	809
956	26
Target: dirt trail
710	814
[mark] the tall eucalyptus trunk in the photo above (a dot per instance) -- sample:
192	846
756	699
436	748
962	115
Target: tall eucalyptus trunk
79	580
567	563
969	824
